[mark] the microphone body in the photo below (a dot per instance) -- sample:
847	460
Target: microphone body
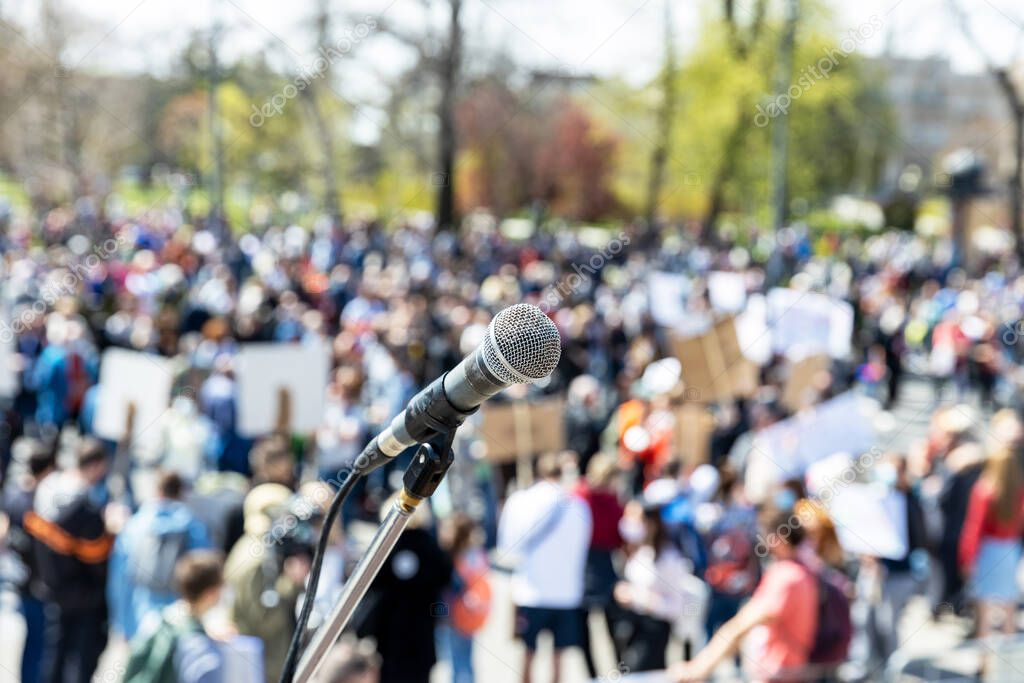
521	345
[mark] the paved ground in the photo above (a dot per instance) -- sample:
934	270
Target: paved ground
499	658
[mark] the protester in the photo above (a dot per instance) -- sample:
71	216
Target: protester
469	595
18	501
344	429
651	592
785	606
733	568
990	547
72	553
894	580
599	490
585	418
266	574
405	605
397	305
141	579
545	533
176	648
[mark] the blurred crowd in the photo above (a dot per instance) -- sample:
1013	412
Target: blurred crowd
204	537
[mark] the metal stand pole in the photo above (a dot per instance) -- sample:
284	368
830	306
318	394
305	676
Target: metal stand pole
426	471
355	588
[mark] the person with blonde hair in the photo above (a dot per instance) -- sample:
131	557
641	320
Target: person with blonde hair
990	545
821	532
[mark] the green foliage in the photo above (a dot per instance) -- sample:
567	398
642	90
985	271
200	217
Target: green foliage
830	121
585	149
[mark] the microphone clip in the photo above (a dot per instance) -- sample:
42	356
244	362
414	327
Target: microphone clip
428	467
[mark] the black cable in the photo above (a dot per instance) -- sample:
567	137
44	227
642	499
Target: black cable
292	660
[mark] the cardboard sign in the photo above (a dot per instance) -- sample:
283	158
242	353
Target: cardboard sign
137	385
693	428
807	323
870	520
796	393
518	429
281	386
714	367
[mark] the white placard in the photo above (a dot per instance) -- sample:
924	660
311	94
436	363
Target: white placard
786	449
666	294
8	373
727	291
807	323
752	332
262	370
870	520
140	379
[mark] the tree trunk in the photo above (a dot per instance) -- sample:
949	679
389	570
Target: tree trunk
332	202
780	125
730	156
217	212
660	154
444	178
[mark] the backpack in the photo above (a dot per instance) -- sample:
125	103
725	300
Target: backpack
155	556
152	657
835	629
472	604
732	567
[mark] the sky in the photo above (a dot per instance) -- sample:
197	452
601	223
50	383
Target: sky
604	37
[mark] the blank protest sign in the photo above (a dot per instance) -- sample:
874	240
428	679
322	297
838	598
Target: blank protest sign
870	520
263	370
808	323
142	380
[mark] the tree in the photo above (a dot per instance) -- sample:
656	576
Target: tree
439	63
743	41
497	158
313	99
574	165
663	144
450	63
1013	93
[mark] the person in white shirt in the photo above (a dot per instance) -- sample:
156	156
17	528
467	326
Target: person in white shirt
652	591
547	531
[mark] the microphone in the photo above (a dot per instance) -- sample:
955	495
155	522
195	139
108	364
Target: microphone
522	345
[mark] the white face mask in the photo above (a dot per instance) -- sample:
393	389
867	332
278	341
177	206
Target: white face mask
631	530
885	473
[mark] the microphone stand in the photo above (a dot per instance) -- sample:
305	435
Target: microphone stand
421	479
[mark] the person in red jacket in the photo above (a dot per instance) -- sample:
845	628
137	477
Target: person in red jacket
990	544
598	491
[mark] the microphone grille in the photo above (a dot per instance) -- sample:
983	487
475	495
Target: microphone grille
522	344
